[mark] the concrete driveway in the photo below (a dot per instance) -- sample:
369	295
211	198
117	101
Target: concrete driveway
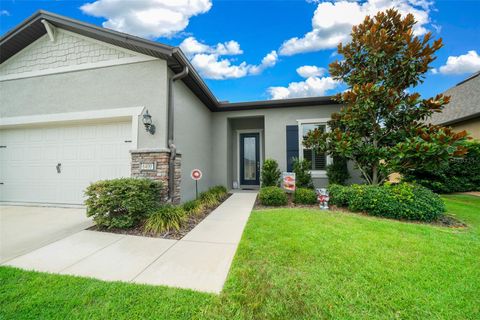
24	229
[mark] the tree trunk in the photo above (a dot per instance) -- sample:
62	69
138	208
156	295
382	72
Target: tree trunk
375	166
375	174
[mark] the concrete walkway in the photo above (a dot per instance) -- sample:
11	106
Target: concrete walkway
199	261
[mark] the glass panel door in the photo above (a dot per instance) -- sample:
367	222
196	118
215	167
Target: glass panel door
249	159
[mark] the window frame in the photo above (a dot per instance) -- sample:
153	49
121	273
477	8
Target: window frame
320	121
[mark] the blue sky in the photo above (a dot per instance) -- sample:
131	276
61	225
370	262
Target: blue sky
228	40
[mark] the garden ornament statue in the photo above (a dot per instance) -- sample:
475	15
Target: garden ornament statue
323	198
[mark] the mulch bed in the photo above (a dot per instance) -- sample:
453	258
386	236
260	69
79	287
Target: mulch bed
192	222
444	221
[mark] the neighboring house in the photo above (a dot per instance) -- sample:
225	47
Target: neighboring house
73	100
463	111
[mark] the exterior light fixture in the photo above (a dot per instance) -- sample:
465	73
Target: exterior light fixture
147	122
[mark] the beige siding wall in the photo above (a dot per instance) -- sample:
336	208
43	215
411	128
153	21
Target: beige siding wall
471	126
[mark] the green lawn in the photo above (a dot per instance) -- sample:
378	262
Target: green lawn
293	264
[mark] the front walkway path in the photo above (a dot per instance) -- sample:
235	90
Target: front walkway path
199	261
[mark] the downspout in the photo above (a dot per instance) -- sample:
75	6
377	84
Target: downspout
170	138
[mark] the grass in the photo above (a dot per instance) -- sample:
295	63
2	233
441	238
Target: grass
293	264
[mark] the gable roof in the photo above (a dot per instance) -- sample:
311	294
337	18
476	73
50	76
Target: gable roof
464	102
32	28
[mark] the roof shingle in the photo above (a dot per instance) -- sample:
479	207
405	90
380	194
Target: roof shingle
464	102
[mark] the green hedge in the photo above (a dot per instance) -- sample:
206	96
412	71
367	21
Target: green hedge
304	196
460	175
399	201
272	196
121	203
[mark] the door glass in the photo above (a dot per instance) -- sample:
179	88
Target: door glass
249	159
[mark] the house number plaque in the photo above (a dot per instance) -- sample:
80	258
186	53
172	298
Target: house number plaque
147	166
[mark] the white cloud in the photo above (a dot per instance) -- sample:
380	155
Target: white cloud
310	71
4	13
466	63
312	86
211	66
267	62
147	18
333	20
208	60
191	46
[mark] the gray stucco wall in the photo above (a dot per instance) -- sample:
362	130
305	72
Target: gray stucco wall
193	132
121	86
275	123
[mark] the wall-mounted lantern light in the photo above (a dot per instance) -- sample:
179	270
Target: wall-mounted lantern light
147	122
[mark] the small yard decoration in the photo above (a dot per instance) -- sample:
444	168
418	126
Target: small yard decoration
323	198
288	181
381	127
196	175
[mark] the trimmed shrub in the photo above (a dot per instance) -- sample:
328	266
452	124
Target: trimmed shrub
270	173
193	207
219	191
399	201
304	196
209	199
165	218
121	203
339	195
272	196
337	172
213	196
303	177
459	175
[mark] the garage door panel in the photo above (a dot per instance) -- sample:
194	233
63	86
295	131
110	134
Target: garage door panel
87	153
50	153
34	135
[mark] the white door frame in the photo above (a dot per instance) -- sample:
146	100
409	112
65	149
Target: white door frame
260	131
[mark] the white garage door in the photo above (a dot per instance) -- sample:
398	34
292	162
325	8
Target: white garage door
54	164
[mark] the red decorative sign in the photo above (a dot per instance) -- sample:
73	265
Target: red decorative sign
196	174
288	181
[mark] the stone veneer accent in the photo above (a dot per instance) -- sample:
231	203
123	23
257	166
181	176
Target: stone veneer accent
160	158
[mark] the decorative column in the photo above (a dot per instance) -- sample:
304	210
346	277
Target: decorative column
153	164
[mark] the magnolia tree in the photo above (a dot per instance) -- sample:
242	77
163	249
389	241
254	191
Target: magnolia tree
382	125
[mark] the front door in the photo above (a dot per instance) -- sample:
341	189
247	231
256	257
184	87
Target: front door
249	159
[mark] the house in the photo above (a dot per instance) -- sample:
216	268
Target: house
463	111
80	103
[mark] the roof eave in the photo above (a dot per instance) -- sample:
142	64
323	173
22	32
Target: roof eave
174	56
283	103
110	36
